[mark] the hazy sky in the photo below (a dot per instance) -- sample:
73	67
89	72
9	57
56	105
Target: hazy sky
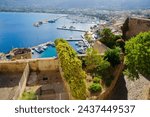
77	3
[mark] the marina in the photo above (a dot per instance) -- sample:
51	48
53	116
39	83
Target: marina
42	47
80	45
40	40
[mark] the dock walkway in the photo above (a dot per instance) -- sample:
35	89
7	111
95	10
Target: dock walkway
45	21
79	30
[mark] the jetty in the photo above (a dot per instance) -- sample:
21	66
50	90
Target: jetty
74	39
45	21
69	29
42	47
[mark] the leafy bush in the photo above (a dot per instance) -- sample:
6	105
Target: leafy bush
102	69
116	37
88	37
121	43
113	56
96	79
72	69
95	87
108	38
108	80
137	58
92	60
29	96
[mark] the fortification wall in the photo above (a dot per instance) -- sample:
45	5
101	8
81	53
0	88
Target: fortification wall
134	26
49	64
23	56
22	83
108	91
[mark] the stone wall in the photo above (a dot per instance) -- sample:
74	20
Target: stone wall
100	47
44	64
134	26
35	65
22	56
108	91
46	67
22	83
12	66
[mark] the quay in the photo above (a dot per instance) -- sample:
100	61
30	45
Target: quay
45	21
79	30
82	39
74	39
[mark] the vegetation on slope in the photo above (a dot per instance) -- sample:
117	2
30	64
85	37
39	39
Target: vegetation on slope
98	67
113	56
72	68
28	96
137	58
111	40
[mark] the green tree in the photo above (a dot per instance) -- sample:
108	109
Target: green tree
137	58
95	87
121	43
92	60
95	63
29	96
72	69
99	67
108	38
113	56
97	79
88	37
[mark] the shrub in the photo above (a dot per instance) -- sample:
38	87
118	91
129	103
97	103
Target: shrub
95	63
96	79
29	96
88	37
113	56
108	38
92	60
121	43
108	80
116	37
72	69
102	68
137	58
95	87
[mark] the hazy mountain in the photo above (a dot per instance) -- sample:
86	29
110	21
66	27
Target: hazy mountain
107	4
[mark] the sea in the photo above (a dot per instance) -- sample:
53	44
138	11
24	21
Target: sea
17	31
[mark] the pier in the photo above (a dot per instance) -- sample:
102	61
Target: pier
74	39
45	21
79	30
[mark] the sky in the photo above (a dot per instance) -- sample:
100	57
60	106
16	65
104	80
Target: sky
107	4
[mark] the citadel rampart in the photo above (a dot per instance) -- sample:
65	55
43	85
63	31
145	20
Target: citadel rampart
34	64
134	26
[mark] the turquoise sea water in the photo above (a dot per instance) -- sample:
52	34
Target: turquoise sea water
51	51
17	30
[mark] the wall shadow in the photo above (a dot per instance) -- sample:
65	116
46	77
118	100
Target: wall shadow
120	91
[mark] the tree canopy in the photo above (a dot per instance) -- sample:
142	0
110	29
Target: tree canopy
108	38
72	69
113	56
137	58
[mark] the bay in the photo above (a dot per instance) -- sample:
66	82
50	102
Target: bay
17	30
